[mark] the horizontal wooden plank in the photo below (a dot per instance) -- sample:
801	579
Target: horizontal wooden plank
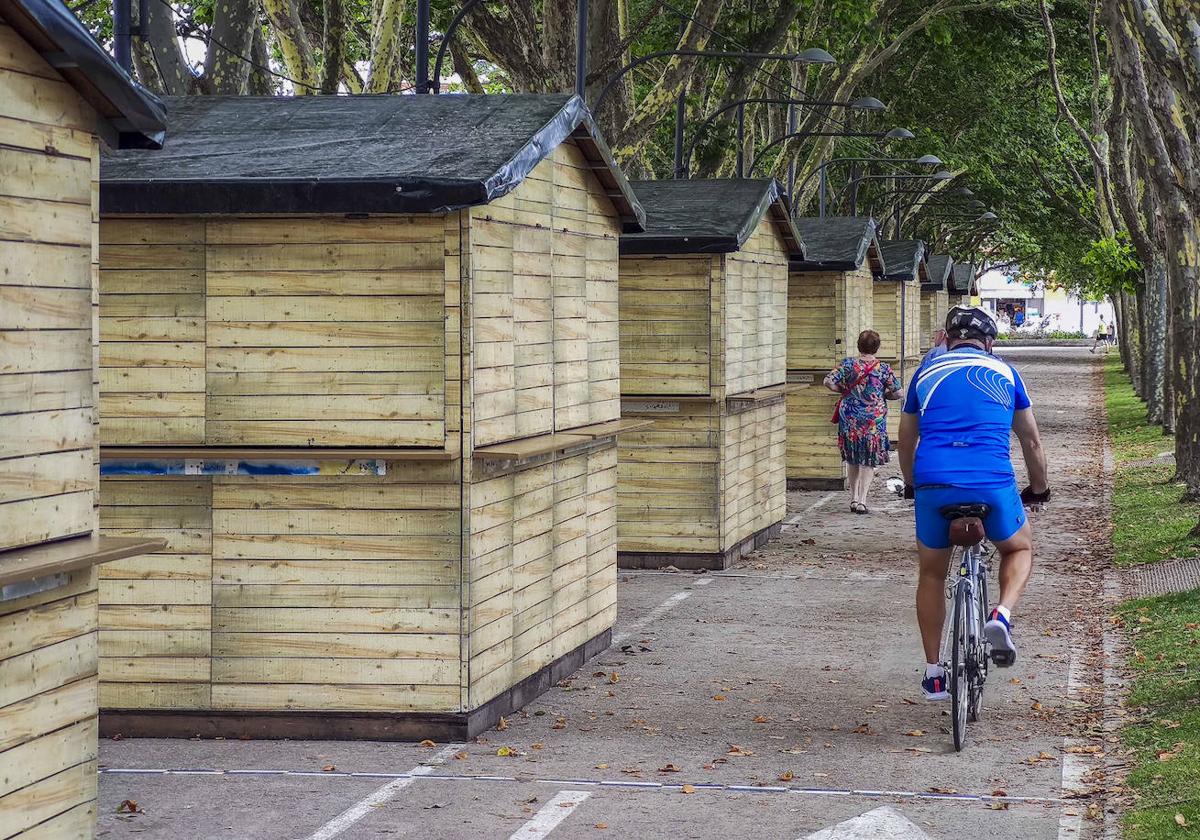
155	669
334	595
337	546
325	334
335	620
359	698
320	280
367	495
309	645
322	671
332	572
340	523
61	706
324	433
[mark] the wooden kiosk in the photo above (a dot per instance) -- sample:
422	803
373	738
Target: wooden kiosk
60	96
703	342
935	297
359	368
898	304
829	303
963	285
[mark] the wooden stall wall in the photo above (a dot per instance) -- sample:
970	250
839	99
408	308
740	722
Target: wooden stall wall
666	331
47	277
281	332
543	335
669	477
912	320
826	312
378	593
753	483
934	306
755	310
897	313
48	214
544	293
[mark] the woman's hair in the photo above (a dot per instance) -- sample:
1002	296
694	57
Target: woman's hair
868	341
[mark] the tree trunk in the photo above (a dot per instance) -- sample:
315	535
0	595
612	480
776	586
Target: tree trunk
260	83
225	70
293	44
1183	246
333	45
1154	314
158	48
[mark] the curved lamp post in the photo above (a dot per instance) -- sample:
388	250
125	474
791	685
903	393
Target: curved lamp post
893	134
852	186
821	171
683	157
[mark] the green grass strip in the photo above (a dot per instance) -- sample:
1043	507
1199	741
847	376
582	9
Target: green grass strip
1150	523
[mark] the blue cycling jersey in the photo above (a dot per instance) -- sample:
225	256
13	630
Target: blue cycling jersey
965	400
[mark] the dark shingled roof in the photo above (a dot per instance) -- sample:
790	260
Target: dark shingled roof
353	154
964	279
685	216
940	268
133	117
840	243
905	259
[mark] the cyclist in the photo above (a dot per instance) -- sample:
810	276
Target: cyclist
961	406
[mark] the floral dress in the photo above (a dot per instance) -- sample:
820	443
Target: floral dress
862	415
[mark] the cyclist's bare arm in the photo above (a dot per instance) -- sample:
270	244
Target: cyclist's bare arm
910	432
1031	447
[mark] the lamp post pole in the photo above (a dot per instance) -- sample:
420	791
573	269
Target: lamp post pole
422	57
581	37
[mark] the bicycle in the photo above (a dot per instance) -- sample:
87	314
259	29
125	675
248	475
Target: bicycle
969	652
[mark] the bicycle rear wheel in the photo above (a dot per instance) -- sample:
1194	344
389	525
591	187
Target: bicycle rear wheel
980	655
960	650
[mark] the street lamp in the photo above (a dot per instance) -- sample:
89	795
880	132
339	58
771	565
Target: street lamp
683	158
893	134
813	55
821	171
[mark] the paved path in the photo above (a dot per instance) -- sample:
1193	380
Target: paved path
784	695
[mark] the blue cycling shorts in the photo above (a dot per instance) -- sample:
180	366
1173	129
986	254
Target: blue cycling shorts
1006	517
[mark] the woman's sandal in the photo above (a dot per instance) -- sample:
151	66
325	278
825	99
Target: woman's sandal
858	507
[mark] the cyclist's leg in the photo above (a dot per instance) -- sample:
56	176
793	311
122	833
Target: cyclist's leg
931	597
1008	528
933	556
1016	565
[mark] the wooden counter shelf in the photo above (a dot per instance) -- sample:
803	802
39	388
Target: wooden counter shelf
256	453
545	444
69	555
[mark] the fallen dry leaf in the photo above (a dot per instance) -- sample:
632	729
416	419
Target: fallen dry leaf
502	725
668	768
461	756
561	723
1090	748
536	746
915	733
734	749
687	789
506	752
329	768
427	744
601	826
614	677
129	806
1181	821
941	790
762	719
718	696
786	776
601	766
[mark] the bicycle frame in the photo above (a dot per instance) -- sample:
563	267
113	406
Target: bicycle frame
966	654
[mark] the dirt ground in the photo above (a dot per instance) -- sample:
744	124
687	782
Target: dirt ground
773	700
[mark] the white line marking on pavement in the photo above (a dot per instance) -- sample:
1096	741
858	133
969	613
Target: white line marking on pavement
873	825
654	615
365	805
1070	824
550	815
612	783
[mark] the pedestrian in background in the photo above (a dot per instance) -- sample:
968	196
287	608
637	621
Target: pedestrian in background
1100	339
865	385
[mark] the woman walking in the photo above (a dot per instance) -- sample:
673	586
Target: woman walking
865	384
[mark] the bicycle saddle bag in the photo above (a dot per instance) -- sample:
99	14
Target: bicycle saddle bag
966	531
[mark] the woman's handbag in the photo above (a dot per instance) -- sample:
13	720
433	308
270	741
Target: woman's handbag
837	407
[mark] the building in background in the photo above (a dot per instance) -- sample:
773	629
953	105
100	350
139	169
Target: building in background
1003	293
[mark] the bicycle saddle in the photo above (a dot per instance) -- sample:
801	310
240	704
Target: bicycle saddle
975	510
966	522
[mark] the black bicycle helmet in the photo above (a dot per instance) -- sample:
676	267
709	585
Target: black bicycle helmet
970	322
